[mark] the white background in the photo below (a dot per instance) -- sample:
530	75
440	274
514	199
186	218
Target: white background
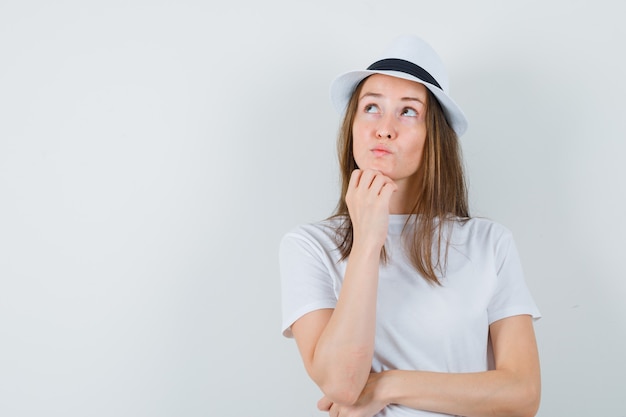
152	154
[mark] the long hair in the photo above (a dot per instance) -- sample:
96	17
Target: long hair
439	197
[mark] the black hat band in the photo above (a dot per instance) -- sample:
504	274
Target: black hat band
395	64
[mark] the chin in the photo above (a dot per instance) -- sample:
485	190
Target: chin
384	171
375	167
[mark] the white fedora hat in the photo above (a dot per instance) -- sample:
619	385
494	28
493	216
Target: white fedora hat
410	58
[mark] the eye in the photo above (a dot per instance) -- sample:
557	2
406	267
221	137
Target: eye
407	111
371	108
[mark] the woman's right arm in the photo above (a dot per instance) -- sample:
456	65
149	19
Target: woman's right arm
337	345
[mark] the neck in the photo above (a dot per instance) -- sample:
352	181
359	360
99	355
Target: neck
402	201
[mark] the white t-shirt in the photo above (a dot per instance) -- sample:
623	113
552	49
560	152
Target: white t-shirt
419	326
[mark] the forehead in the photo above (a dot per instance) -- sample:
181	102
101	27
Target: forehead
392	86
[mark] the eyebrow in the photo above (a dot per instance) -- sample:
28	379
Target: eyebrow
377	95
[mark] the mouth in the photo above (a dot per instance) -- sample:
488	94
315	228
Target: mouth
380	151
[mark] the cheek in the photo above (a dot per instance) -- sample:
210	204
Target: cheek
358	129
416	148
358	140
358	152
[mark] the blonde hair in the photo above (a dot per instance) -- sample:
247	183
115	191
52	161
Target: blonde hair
440	195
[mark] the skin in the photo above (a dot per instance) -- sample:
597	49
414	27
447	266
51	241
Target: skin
389	132
337	345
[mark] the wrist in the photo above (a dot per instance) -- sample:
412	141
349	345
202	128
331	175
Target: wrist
367	249
386	391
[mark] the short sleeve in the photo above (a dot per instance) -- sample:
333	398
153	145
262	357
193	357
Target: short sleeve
511	296
306	283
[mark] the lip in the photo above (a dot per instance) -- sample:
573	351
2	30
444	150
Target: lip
380	151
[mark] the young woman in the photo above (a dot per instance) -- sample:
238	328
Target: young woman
401	304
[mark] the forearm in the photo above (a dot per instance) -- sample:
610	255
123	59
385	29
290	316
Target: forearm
343	355
491	393
338	346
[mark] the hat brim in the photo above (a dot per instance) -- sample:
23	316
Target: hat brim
343	86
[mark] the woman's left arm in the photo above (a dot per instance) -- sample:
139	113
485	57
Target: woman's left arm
512	389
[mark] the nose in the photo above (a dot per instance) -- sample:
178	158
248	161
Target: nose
385	129
383	134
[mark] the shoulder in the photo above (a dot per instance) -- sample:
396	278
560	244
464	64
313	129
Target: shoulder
480	235
481	228
320	236
322	229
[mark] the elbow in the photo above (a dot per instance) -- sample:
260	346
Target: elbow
344	387
346	394
532	400
528	410
527	404
343	380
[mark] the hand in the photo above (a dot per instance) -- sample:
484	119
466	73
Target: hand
368	404
368	196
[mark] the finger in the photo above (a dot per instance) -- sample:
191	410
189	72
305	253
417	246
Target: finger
355	178
381	181
324	404
387	190
391	186
367	178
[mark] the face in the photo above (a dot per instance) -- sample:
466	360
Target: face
389	129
